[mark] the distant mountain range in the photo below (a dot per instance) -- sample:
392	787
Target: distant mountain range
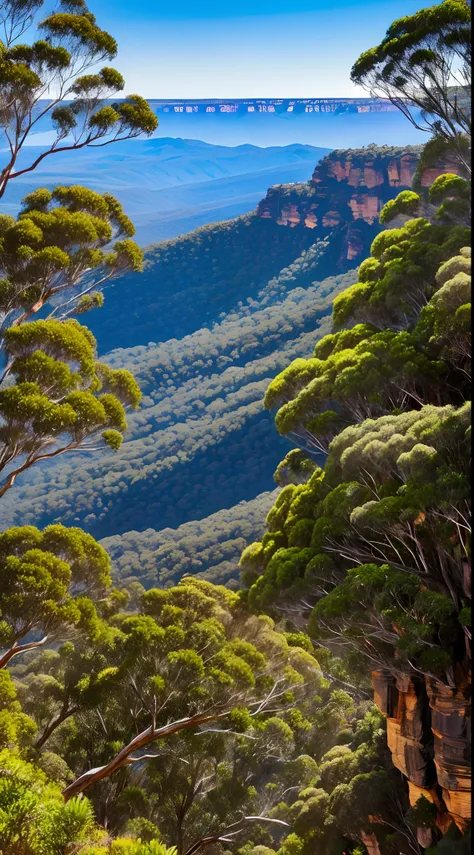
322	122
170	186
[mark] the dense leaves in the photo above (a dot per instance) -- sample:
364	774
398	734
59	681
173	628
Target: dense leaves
60	398
394	494
57	239
49	581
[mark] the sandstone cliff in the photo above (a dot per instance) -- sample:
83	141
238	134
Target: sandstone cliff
344	197
429	736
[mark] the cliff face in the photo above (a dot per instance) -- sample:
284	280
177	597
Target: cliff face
344	197
429	736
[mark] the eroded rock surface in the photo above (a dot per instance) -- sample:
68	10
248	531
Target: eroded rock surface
429	736
344	197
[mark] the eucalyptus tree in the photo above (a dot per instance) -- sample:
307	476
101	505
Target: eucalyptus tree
193	658
51	581
62	249
424	61
58	398
61	58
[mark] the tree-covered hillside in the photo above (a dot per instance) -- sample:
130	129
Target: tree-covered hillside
204	328
209	548
202	437
188	282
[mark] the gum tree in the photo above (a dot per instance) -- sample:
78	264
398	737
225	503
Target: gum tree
61	250
425	61
49	583
61	399
62	57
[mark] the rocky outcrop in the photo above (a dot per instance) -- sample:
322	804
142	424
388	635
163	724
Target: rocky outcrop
344	198
403	702
451	728
429	736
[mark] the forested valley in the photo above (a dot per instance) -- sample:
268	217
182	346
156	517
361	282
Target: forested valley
234	481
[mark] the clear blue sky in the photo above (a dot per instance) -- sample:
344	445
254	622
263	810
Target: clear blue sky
239	48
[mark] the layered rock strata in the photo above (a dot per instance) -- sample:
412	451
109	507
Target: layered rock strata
345	195
429	736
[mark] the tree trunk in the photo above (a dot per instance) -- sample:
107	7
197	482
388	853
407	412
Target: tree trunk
15	649
51	727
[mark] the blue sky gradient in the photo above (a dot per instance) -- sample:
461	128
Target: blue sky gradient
240	48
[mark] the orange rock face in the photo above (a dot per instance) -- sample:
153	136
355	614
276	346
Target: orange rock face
365	207
448	164
451	727
289	216
340	170
405	734
354	249
372	177
332	218
347	188
344	198
429	736
400	172
311	220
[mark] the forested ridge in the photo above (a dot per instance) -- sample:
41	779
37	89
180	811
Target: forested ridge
210	548
321	705
201	438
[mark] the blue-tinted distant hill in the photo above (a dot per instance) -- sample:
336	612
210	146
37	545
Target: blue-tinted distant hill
170	186
329	130
331	123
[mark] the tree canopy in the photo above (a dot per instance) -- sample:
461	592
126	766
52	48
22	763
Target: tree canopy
49	581
424	61
51	249
70	45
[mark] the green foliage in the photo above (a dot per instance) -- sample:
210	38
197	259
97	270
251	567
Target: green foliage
417	486
49	580
33	817
294	469
406	204
363	372
61	397
126	846
60	248
423	813
409	257
70	43
413	66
